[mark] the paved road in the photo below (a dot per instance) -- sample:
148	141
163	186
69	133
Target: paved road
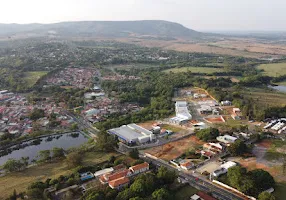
197	182
84	125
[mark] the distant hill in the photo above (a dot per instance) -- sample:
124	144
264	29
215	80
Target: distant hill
146	28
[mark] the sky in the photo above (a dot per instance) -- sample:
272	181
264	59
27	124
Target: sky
201	15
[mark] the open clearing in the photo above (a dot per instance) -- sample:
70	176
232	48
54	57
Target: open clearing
207	70
173	150
32	77
21	180
274	69
266	97
185	193
281	83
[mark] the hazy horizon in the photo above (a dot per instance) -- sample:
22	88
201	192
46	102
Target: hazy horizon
205	15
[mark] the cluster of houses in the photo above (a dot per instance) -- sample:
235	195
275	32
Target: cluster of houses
119	77
15	109
209	150
98	107
208	107
277	126
118	176
75	77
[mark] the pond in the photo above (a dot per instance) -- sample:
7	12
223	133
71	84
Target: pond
280	88
30	149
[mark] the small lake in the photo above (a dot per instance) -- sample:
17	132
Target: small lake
32	147
280	88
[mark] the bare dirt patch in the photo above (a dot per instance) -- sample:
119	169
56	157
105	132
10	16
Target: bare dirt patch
215	119
173	150
265	143
276	171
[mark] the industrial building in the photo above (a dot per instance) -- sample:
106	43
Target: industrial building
182	113
132	134
226	139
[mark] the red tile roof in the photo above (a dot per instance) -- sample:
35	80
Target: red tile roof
139	166
118	182
118	175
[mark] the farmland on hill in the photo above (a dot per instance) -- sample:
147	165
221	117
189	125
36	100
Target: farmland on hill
266	97
32	77
206	70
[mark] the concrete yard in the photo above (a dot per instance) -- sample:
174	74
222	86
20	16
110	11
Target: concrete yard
209	167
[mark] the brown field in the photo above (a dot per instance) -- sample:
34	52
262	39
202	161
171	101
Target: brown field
276	171
229	46
265	143
266	97
174	149
214	119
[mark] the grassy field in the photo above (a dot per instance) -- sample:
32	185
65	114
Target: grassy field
266	97
172	128
185	193
207	70
32	77
276	150
20	180
280	191
274	69
281	83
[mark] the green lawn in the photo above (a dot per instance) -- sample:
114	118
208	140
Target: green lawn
172	128
207	70
280	191
185	193
273	152
281	83
21	180
32	77
274	69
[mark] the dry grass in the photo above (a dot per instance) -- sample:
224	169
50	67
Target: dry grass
274	69
174	149
21	180
266	97
206	70
229	46
32	77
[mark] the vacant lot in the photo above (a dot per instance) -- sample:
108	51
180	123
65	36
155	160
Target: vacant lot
209	167
32	77
266	97
185	193
207	70
21	180
275	170
280	190
274	69
173	150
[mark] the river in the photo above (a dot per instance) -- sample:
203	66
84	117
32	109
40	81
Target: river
64	141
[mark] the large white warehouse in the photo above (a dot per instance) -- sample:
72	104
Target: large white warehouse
182	113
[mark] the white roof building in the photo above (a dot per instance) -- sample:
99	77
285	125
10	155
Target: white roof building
223	168
103	171
182	112
227	139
